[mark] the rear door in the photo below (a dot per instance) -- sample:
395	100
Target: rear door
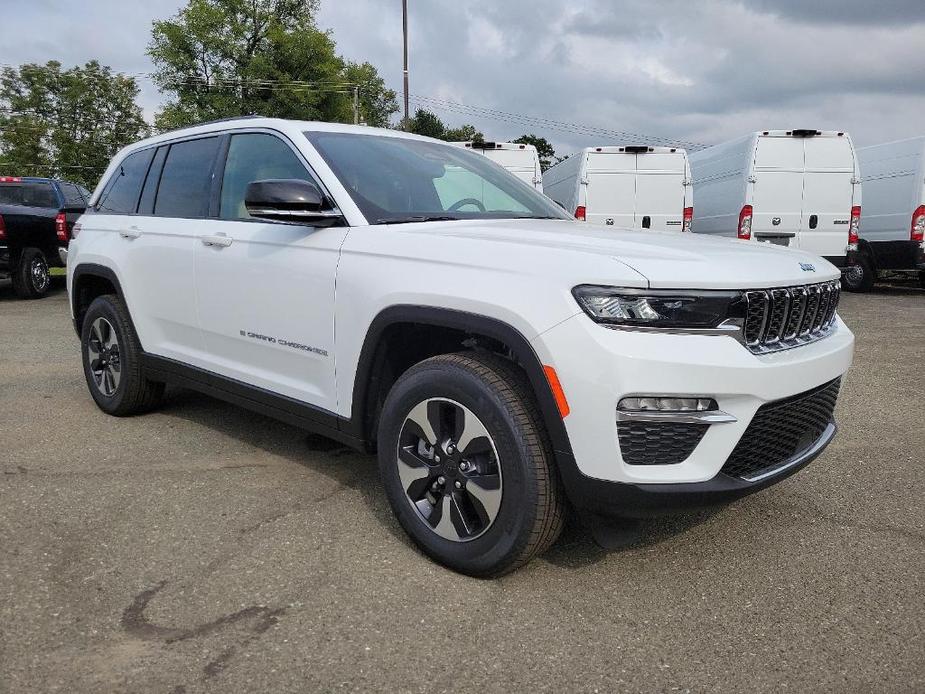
154	208
518	162
659	191
777	199
827	195
611	189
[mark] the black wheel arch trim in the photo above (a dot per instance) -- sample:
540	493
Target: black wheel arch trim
93	270
475	324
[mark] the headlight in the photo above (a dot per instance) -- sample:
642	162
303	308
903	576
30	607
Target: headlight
659	308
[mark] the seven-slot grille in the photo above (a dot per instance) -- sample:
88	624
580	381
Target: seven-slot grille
790	316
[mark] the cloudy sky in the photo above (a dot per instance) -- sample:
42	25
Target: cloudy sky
683	70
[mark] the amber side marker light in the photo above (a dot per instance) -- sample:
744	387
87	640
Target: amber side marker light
557	391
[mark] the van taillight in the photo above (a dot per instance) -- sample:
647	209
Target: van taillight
855	225
744	230
580	213
2	228
688	219
916	233
61	227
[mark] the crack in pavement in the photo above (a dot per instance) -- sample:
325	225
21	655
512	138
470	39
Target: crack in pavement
136	624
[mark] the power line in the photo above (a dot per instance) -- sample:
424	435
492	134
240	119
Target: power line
540	122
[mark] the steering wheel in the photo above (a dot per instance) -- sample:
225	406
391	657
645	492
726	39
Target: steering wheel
466	201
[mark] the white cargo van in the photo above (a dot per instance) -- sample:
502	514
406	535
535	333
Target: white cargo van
632	187
892	237
521	160
797	188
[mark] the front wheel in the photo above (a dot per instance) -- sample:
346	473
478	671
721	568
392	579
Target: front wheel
31	278
466	464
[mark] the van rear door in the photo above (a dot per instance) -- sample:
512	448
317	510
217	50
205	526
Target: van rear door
611	189
519	162
660	190
827	195
777	200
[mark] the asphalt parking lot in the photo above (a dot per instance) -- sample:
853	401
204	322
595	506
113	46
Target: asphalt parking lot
205	548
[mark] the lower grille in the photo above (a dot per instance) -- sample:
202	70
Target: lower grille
658	443
781	430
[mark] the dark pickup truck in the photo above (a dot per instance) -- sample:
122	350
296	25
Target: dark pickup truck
37	217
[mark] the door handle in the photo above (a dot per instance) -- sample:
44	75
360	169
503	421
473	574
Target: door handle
646	222
813	221
217	241
130	233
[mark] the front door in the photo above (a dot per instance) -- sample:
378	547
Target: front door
265	290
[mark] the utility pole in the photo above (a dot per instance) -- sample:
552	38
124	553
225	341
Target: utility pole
404	23
356	105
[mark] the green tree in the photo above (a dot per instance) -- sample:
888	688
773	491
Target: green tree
224	58
544	150
464	133
66	123
377	104
426	123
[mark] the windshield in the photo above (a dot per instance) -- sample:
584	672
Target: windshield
395	179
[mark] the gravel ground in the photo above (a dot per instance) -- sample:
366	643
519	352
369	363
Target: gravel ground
205	548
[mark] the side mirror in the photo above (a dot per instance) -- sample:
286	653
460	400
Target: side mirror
289	200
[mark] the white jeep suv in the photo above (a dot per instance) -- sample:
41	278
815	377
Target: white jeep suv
403	295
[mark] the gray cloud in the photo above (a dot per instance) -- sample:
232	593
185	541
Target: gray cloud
689	71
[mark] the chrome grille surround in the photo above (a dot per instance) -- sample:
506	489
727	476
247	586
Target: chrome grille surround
777	319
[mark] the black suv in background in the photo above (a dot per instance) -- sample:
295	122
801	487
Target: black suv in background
36	219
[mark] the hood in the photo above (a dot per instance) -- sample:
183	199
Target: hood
669	260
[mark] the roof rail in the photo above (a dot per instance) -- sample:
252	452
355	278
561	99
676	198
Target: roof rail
212	122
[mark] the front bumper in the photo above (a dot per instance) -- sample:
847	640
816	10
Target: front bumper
597	367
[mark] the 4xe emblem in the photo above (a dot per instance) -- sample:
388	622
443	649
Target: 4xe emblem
807	267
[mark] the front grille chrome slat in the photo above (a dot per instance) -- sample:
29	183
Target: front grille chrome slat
787	317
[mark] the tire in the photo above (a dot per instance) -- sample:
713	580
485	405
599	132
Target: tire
112	360
516	510
31	279
922	279
860	277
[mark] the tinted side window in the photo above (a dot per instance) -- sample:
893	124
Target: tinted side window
72	195
146	204
122	191
187	179
255	157
39	195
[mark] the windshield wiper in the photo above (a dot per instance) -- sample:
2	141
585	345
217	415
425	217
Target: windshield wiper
418	218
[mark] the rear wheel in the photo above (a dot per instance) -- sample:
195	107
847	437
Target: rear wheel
466	464
112	360
922	279
31	278
859	277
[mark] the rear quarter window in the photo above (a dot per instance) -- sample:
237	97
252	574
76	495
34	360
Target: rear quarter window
124	188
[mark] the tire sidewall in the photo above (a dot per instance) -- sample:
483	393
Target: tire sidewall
865	281
510	531
103	307
25	278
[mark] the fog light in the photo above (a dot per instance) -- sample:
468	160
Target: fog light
647	403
